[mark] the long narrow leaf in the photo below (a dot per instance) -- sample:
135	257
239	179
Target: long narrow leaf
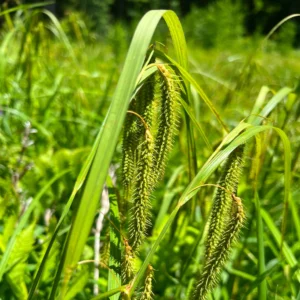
287	252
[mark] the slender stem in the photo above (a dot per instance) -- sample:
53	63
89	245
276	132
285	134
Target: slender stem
262	287
99	226
140	117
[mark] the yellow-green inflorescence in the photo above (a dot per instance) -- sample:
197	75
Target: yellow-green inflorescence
168	118
147	292
130	142
127	263
141	196
149	131
148	137
214	263
226	220
220	212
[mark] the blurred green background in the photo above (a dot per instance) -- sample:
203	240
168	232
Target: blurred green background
248	17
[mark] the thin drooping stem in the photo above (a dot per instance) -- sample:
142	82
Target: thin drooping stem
99	226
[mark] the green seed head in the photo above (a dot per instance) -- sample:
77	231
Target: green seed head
214	263
148	293
127	263
220	213
226	219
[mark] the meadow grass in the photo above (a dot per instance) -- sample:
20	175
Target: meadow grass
187	115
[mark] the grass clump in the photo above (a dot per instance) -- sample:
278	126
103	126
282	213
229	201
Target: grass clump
155	213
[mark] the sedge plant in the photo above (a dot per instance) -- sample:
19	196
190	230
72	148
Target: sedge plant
150	122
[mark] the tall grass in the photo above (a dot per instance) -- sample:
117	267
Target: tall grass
176	129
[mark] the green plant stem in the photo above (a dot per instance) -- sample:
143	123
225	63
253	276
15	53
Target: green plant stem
262	287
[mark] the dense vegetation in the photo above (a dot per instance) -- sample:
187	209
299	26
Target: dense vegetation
258	16
178	137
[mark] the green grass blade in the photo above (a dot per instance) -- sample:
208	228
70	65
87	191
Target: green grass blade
216	159
241	274
168	196
262	288
258	280
187	77
62	34
277	26
25	7
295	215
277	98
230	137
110	293
78	285
196	123
178	38
258	103
287	252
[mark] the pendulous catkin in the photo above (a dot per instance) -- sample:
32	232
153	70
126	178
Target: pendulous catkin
146	99
220	212
226	220
105	250
148	293
149	131
214	263
167	126
127	263
154	144
141	195
130	143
